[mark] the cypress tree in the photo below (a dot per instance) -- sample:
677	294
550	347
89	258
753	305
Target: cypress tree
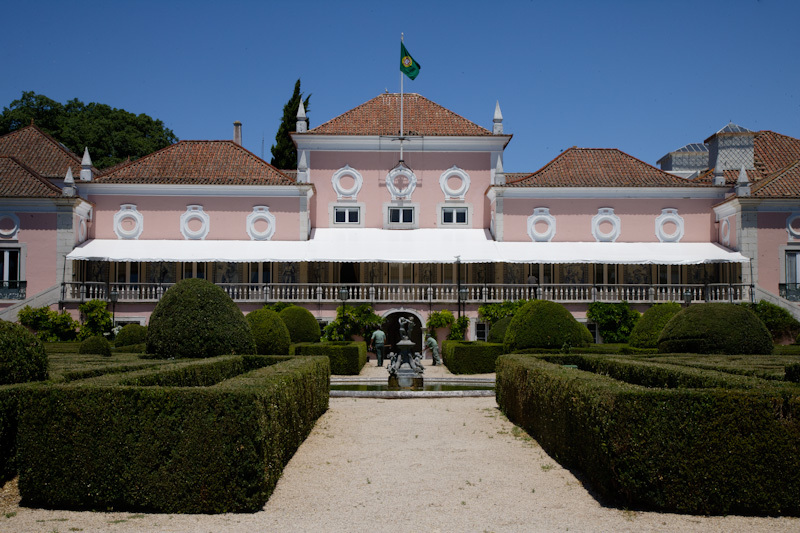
284	153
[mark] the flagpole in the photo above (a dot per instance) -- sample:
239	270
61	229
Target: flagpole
401	106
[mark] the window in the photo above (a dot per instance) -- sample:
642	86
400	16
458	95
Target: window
346	215
194	270
11	287
454	215
401	215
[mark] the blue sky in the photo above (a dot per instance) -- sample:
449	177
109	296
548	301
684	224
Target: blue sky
643	76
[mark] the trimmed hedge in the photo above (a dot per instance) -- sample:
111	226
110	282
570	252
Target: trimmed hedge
347	357
8	431
172	448
497	331
715	328
302	325
700	450
793	373
649	327
269	332
470	357
195	318
22	355
96	345
544	324
780	322
131	334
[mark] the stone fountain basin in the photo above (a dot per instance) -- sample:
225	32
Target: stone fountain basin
432	388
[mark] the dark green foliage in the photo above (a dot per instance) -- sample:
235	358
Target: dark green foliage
96	319
544	324
459	329
95	345
284	152
352	320
681	440
497	331
347	358
715	328
615	321
131	348
491	313
131	334
302	325
172	448
8	431
440	319
793	373
195	318
470	357
269	331
780	322
278	306
111	134
49	325
647	330
22	355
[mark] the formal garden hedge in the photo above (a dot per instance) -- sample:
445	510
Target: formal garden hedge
131	334
715	328
97	345
470	357
497	332
191	437
347	357
659	436
22	355
302	325
649	327
269	332
544	324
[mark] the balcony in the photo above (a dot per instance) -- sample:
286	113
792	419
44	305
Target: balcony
13	290
422	293
789	291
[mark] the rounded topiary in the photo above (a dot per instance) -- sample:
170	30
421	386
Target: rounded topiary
195	318
715	328
269	331
544	324
498	330
302	325
22	355
131	334
647	330
97	345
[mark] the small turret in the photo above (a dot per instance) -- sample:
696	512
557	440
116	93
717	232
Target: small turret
302	120
743	183
86	166
69	184
499	174
719	178
497	127
302	166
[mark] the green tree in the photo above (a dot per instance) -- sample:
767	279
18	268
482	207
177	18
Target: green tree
284	153
112	135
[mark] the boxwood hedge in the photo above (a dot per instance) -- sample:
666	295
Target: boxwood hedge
192	437
22	355
347	357
647	330
470	357
544	324
676	441
302	325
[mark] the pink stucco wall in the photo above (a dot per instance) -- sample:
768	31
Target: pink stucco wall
772	235
373	167
228	216
38	232
637	218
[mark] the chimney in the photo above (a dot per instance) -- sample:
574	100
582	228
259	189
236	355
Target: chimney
743	183
69	184
237	133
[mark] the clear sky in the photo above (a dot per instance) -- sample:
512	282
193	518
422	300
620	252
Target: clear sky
643	76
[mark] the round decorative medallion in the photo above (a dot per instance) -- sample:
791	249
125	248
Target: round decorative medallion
9	225
82	229
791	227
459	192
401	182
669	216
725	232
341	191
605	215
195	212
541	215
260	212
128	216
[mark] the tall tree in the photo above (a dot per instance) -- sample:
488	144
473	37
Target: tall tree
112	135
284	153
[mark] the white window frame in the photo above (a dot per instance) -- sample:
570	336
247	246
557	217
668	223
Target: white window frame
454	210
348	212
388	208
338	206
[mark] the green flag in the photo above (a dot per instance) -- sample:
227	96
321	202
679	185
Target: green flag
408	66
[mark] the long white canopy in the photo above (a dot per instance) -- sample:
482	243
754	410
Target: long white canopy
404	246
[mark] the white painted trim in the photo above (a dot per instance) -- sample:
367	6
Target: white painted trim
362	209
725	231
606	214
439	214
669	215
697	193
401	194
541	214
83	229
11	233
223	191
372	143
260	212
400	225
454	194
195	212
793	233
128	211
353	191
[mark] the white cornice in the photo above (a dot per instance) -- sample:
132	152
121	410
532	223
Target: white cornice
760	205
221	191
608	192
45	205
418	143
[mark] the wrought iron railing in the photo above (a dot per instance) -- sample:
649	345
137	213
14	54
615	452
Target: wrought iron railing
426	292
789	291
13	290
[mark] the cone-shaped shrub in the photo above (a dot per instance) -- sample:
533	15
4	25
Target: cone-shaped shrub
647	330
715	328
302	325
269	332
195	318
544	324
22	355
97	345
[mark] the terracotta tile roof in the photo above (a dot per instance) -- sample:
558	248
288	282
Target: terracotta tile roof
198	163
20	181
783	184
381	116
599	167
41	152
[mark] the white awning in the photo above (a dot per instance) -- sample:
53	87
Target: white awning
439	245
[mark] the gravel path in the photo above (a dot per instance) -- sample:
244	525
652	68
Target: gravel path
453	464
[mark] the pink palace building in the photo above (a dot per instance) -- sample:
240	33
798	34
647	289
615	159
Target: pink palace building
409	222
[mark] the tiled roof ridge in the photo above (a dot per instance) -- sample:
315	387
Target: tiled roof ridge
34	174
52	140
774	177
